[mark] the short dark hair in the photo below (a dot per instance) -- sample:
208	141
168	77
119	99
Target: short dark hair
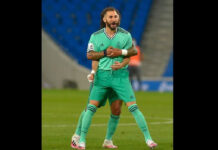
102	24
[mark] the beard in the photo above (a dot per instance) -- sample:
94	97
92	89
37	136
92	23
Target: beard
111	25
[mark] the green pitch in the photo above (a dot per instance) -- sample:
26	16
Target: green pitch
61	110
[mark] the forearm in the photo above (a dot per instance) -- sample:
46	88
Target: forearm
95	55
95	65
115	52
125	61
118	65
90	76
131	51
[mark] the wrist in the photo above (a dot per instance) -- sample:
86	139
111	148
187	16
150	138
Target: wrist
93	72
105	52
124	52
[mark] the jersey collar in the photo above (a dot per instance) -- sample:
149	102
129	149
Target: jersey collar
108	36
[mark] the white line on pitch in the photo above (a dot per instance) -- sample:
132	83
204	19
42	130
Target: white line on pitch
105	124
107	116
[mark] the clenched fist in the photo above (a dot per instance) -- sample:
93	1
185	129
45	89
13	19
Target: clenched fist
90	77
113	52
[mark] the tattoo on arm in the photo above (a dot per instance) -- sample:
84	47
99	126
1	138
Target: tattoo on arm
132	51
95	65
95	55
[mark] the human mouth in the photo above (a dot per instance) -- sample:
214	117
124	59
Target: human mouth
113	24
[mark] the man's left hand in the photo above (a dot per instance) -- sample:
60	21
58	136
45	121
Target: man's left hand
117	65
114	52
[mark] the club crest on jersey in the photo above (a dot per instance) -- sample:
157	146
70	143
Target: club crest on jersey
90	47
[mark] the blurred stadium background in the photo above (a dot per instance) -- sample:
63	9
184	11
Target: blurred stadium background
68	24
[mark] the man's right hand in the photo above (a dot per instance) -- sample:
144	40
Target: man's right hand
113	52
109	50
90	77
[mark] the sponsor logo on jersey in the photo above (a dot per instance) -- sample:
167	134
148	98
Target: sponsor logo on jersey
90	47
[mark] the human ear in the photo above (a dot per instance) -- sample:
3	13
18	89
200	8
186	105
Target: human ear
104	19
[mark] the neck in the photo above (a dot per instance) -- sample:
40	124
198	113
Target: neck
110	32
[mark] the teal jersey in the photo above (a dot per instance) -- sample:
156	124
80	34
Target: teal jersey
99	41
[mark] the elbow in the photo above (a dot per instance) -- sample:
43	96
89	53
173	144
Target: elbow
135	53
88	56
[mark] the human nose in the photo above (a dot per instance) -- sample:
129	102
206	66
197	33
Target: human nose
113	19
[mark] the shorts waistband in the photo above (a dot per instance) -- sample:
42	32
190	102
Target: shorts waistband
115	73
112	70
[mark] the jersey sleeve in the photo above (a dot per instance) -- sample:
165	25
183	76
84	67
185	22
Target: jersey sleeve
128	42
92	46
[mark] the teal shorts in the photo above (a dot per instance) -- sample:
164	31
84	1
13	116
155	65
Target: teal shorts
118	81
111	96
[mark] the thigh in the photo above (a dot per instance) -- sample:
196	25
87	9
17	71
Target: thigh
112	96
123	89
98	93
115	102
100	89
116	107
